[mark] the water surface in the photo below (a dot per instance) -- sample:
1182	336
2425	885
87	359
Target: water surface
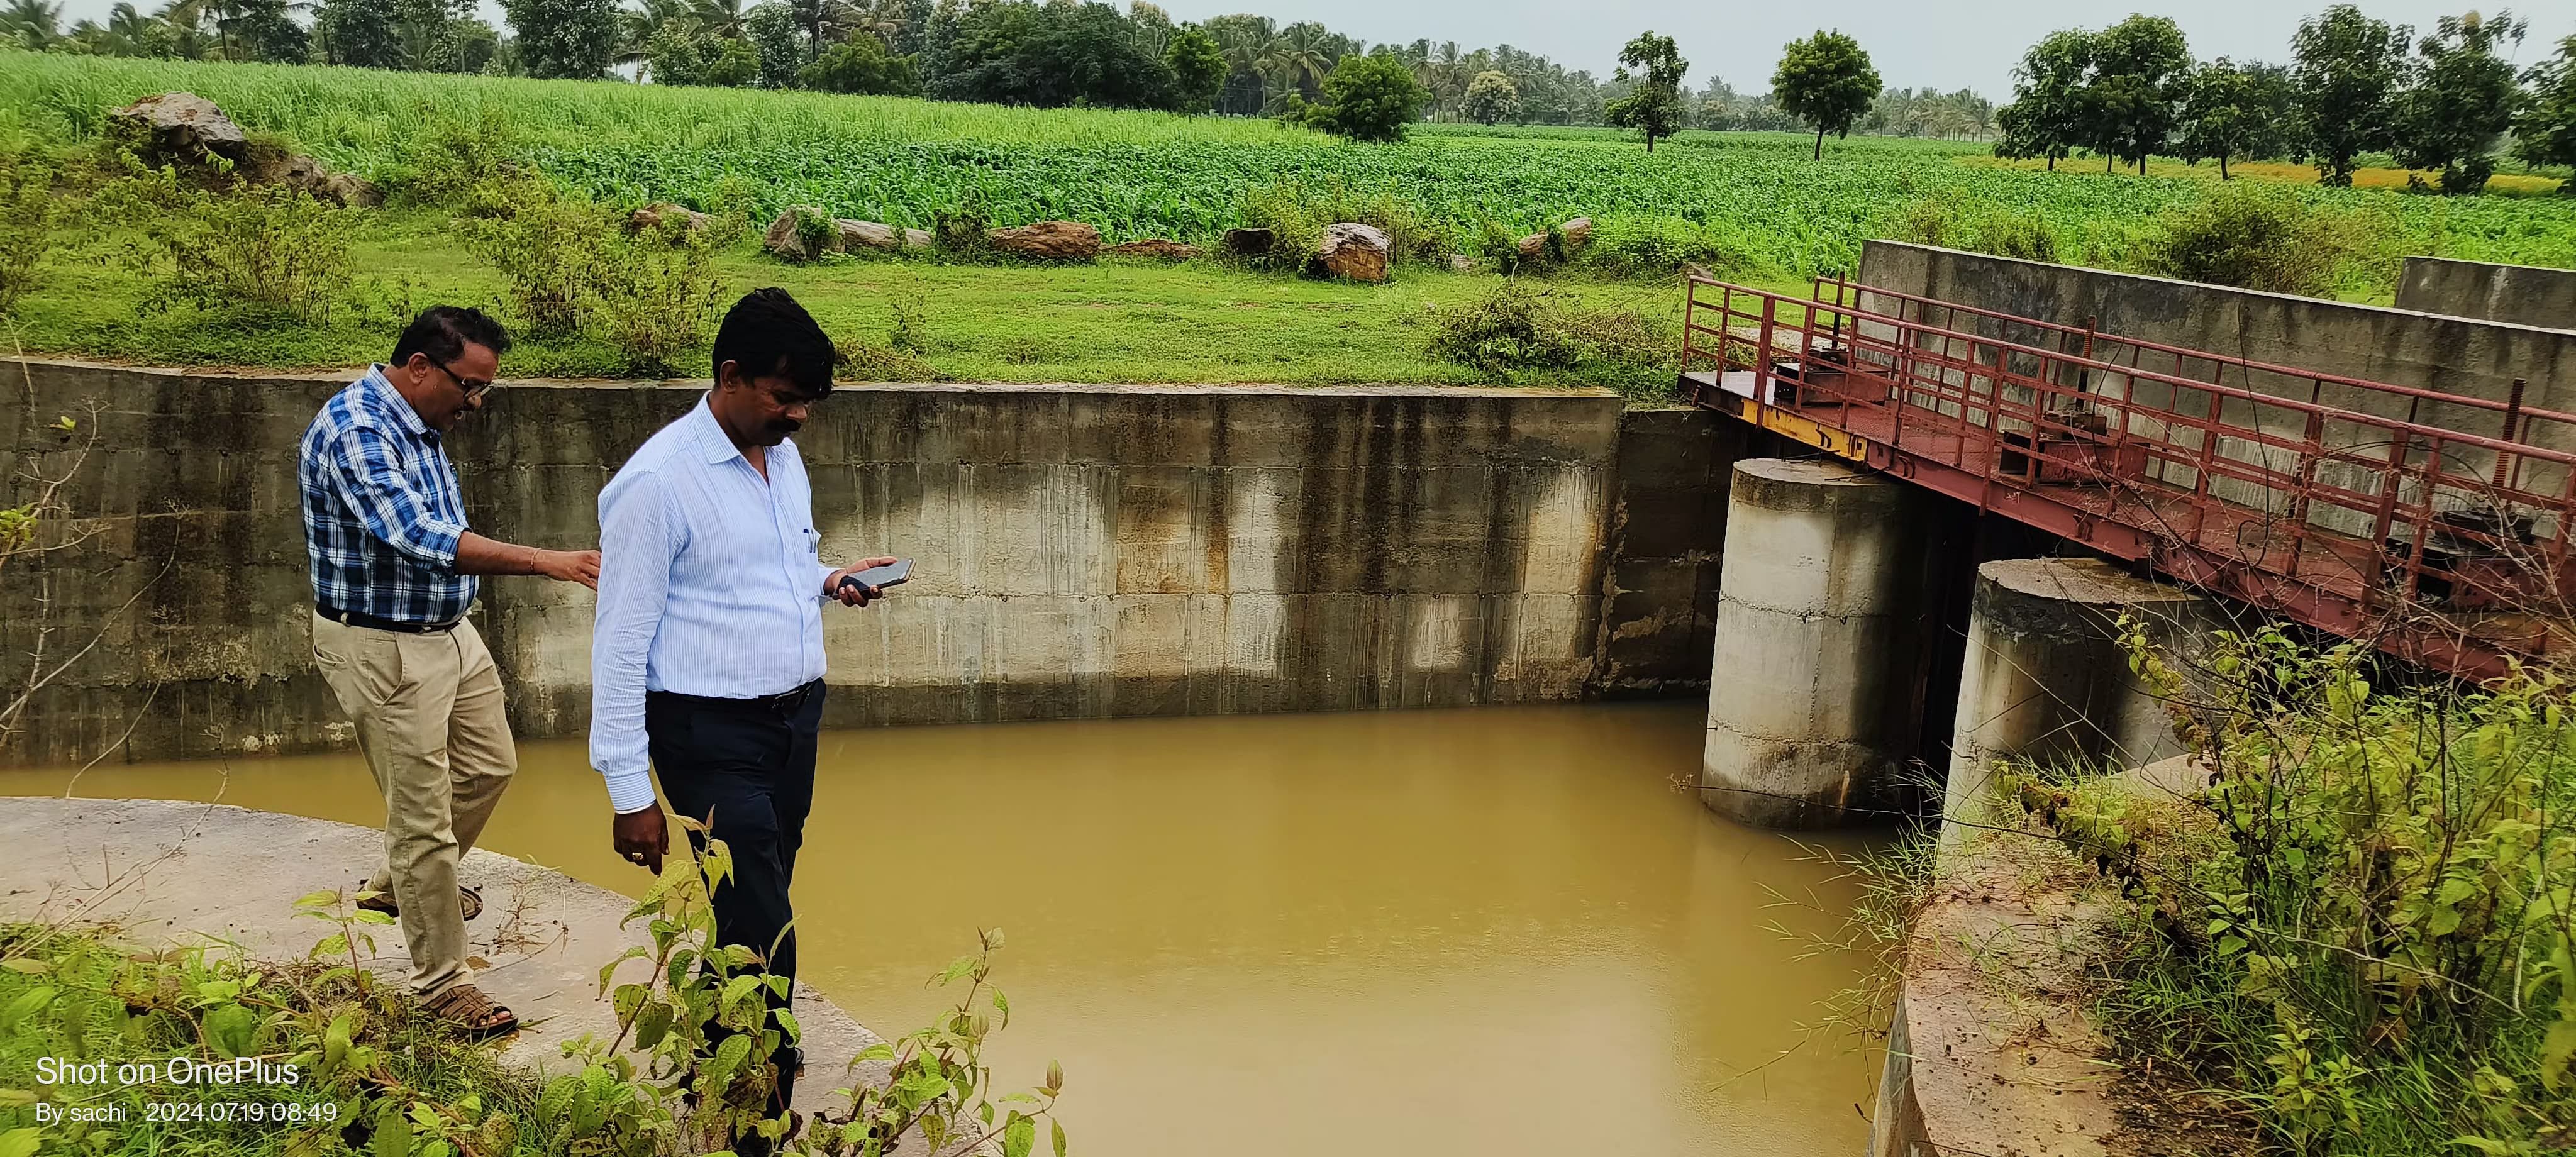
1497	931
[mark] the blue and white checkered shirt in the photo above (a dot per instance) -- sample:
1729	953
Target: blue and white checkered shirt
382	511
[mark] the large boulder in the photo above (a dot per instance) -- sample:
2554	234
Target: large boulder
1576	232
1354	252
785	242
1249	242
663	213
350	190
314	179
180	126
1048	241
1156	247
871	235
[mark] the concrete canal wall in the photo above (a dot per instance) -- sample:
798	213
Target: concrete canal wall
1079	550
2520	294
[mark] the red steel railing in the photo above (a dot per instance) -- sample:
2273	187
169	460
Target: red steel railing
2433	524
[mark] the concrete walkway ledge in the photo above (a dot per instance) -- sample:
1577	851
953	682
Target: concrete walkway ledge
171	872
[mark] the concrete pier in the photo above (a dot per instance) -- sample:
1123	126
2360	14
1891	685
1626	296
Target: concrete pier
1816	685
2046	680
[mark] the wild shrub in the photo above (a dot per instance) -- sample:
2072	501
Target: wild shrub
1517	333
1975	226
264	253
961	233
549	249
2253	239
1296	212
376	1075
1637	243
454	155
570	269
2366	931
656	296
27	214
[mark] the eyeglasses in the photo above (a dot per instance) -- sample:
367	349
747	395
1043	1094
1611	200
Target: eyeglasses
472	390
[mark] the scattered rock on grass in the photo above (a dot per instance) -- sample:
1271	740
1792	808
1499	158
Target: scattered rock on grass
661	213
1576	232
785	242
1461	263
1354	252
181	126
1048	241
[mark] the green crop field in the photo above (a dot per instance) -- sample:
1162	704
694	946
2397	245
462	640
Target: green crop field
1777	215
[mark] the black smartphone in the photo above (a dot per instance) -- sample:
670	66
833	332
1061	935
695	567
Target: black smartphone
880	577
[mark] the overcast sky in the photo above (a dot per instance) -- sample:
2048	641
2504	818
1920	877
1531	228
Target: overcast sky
1943	43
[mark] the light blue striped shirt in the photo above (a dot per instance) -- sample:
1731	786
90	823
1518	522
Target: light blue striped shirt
709	584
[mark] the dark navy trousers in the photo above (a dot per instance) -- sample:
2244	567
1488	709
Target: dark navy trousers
744	768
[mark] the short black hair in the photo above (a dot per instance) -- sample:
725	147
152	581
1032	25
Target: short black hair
443	332
769	335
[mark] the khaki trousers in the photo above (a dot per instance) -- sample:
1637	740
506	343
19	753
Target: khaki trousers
429	717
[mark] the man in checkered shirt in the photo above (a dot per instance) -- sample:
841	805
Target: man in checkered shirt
393	574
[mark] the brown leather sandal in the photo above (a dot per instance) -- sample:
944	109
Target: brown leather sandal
472	1014
469	900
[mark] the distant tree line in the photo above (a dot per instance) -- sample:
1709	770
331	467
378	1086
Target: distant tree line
2447	101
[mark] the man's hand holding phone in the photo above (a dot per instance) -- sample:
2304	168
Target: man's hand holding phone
864	582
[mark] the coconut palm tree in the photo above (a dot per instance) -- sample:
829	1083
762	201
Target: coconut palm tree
34	24
186	20
636	26
719	17
1301	57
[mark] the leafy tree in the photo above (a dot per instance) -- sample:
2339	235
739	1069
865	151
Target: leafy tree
681	55
1654	106
1825	80
1369	98
2462	102
775	38
1049	55
261	30
2348	69
860	65
444	35
32	24
1491	97
2546	134
360	33
1198	67
2232	111
2141	67
564	38
2049	115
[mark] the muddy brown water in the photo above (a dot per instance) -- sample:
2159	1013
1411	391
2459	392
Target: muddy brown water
1497	931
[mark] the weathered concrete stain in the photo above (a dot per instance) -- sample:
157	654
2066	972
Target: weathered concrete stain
1079	550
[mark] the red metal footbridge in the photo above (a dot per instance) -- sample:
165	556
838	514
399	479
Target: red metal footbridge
2432	525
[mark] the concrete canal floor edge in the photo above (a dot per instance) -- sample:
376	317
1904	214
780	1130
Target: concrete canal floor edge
165	871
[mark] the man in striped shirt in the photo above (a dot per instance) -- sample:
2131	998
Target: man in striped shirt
393	574
706	655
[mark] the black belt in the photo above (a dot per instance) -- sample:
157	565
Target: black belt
784	703
371	622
